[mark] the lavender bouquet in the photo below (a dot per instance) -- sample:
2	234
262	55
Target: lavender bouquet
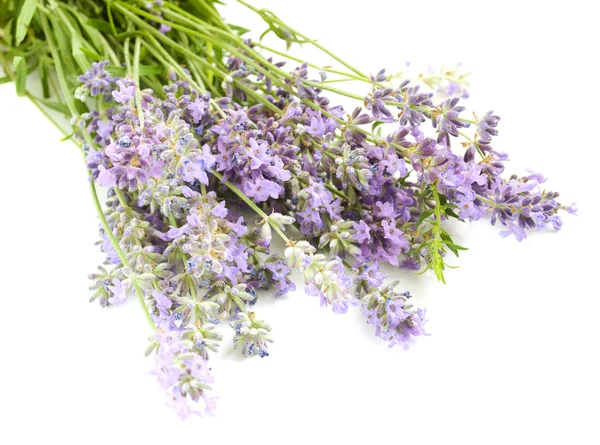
209	145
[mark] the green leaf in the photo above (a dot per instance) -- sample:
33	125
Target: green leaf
375	125
145	70
8	37
61	108
443	200
424	215
44	79
69	136
78	55
60	37
92	54
110	19
100	25
450	212
20	66
455	246
267	31
240	29
454	251
27	10
129	34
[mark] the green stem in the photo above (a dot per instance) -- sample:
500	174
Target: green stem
370	136
239	303
58	66
252	205
136	78
438	206
299	60
492	204
120	253
309	40
437	243
71	105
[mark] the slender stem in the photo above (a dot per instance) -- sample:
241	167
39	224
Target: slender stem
127	55
309	40
106	46
71	105
121	197
168	61
252	205
492	204
58	66
172	220
370	136
322	68
438	262
438	206
239	303
475	144
136	78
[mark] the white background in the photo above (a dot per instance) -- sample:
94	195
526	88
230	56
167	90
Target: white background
515	332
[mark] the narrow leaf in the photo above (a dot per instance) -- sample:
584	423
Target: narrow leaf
8	37
100	25
61	108
20	66
78	55
27	10
424	215
92	54
145	70
240	29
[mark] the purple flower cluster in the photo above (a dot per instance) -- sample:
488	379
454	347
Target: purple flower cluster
183	374
96	81
254	155
394	317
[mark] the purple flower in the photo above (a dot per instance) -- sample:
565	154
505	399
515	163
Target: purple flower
317	127
197	109
257	152
393	315
513	229
97	80
486	127
196	170
183	374
126	91
362	231
192	171
119	292
162	300
447	121
395	166
251	334
384	210
262	189
467	208
394	235
104	128
219	210
105	177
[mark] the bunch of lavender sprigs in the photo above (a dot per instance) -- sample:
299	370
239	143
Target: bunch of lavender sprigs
186	122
